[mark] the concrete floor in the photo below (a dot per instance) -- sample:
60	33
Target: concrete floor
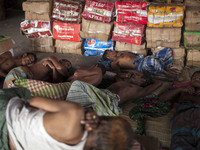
11	27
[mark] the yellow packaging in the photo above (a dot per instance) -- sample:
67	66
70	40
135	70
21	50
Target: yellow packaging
165	15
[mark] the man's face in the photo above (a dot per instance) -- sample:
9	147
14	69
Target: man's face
28	59
137	77
111	55
196	80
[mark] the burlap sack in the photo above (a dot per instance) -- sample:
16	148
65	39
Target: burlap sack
192	40
193	58
65	51
192	2
37	16
192	20
165	37
41	7
96	30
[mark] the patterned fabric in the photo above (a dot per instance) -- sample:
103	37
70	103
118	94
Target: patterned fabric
106	63
147	107
5	96
17	73
45	89
155	63
102	101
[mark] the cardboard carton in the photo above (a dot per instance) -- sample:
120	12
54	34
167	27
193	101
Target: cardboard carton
191	40
6	44
192	20
42	7
42	45
164	15
193	58
192	2
37	16
165	37
96	30
138	49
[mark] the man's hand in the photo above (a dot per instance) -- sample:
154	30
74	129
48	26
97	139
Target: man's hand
48	64
91	120
188	89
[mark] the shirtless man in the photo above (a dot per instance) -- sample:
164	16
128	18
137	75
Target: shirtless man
8	62
46	69
41	123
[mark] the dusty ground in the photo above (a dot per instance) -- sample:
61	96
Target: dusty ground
10	27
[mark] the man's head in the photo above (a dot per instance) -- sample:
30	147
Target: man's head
140	78
28	58
113	133
66	63
110	55
195	79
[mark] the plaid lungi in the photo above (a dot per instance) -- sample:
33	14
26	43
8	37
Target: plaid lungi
101	100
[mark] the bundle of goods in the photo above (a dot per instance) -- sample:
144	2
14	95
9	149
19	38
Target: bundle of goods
137	49
173	1
6	44
130	11
98	10
178	54
42	44
193	58
165	15
191	40
37	10
36	29
67	11
66	31
129	33
95	47
192	2
96	30
68	47
192	20
165	37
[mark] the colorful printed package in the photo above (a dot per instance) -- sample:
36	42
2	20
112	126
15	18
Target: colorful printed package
95	47
128	11
129	33
98	10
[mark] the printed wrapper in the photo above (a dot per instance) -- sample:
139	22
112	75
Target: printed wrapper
191	40
67	11
192	20
177	52
165	16
66	31
98	10
128	11
193	58
164	37
42	45
36	29
129	33
96	30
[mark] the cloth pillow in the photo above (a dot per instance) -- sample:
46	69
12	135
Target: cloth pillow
57	91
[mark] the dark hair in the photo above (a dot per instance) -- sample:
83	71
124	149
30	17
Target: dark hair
65	60
114	133
196	72
105	55
148	78
103	68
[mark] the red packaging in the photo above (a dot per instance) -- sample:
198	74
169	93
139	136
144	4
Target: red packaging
129	33
66	31
36	29
100	11
65	11
128	11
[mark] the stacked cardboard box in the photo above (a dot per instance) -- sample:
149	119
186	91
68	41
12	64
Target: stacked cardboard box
130	25
66	17
192	32
6	44
97	25
37	25
164	29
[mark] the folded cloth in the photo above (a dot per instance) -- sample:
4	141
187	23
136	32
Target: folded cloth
101	100
5	96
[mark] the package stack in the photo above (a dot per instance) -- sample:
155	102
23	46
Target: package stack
37	25
192	32
97	24
66	16
164	29
129	27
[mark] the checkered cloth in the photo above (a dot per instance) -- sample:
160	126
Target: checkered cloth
57	91
101	100
155	63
